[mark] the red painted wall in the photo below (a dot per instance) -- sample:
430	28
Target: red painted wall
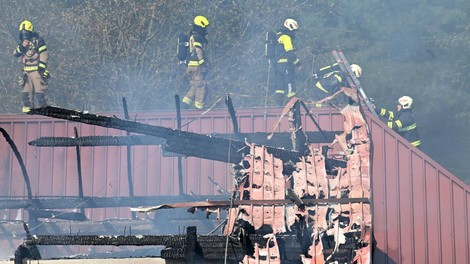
421	211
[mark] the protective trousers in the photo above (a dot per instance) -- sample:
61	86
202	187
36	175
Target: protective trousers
34	86
197	87
285	81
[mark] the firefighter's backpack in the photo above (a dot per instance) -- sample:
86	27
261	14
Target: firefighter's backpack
270	47
182	49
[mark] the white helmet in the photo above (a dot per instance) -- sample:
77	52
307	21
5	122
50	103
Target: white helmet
406	102
357	70
291	24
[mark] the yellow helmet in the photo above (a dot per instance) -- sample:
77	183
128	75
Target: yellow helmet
356	69
201	21
406	102
291	24
26	25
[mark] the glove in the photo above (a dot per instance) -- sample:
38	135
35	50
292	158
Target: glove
45	75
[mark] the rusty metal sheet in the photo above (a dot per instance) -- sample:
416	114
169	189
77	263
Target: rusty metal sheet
266	181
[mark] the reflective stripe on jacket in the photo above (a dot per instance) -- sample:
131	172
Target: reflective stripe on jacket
288	50
403	122
196	50
331	81
34	56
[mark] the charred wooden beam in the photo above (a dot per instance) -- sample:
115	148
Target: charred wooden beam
233	116
226	203
190	246
177	141
94	141
101	240
79	169
98	202
280	139
74	216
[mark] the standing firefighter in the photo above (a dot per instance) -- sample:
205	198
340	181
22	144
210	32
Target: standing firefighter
286	62
197	63
35	76
403	120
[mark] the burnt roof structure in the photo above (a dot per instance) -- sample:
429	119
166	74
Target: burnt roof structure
316	199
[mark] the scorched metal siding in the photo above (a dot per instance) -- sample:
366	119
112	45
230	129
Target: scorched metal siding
420	210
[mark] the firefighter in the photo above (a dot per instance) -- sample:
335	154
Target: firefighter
197	68
333	78
402	120
286	62
35	76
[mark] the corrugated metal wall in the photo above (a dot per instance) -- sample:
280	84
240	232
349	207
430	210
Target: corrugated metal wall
421	211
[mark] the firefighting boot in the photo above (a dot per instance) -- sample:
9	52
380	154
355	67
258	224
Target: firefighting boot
186	103
198	105
26	102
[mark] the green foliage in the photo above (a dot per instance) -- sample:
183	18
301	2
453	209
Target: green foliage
103	50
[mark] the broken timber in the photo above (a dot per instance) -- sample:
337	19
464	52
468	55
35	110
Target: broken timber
177	141
279	192
282	139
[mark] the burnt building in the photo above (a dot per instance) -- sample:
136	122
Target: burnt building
264	185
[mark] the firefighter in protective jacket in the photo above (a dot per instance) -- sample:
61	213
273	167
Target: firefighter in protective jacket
197	65
286	62
403	120
332	78
35	76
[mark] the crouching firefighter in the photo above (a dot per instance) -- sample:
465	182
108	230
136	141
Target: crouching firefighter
197	63
330	78
286	63
402	120
35	76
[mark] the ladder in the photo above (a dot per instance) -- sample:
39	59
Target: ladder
352	79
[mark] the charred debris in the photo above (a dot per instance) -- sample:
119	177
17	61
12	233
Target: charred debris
298	197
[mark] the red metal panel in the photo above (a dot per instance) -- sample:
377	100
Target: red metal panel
166	167
422	218
405	204
59	157
45	162
459	213
391	198
113	172
446	217
432	216
18	134
140	160
6	162
419	216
